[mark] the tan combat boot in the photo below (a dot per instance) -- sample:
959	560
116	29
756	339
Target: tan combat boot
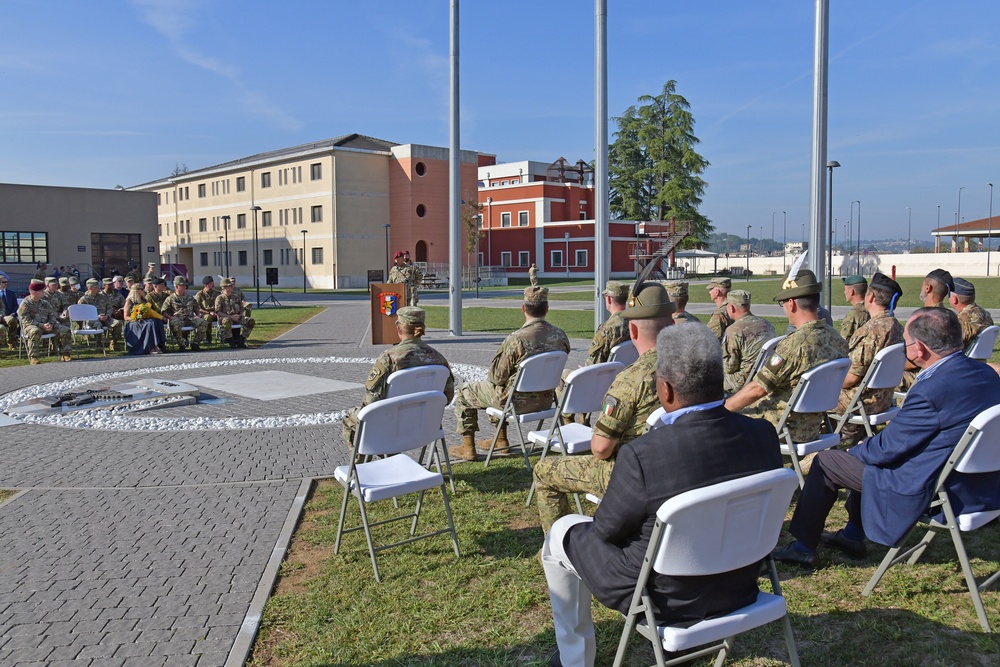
503	447
34	361
466	451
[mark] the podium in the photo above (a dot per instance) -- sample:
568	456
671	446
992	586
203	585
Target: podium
386	299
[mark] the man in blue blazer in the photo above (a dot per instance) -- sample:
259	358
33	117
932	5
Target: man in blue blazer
8	313
897	469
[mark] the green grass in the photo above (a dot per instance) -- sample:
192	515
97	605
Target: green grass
5	494
490	607
576	323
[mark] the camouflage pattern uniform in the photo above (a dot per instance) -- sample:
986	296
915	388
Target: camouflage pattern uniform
408	353
413	278
113	301
156	299
533	275
57	300
225	306
683	317
815	343
114	327
535	337
909	377
876	334
397	274
853	320
612	331
206	308
38	275
151	274
629	401
33	314
973	318
741	345
185	314
720	321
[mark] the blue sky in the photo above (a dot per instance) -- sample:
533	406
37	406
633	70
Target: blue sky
107	92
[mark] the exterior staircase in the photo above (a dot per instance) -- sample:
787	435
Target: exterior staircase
662	238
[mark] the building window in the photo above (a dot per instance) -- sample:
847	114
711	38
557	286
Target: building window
522	219
503	182
242	257
583	215
482	259
204	259
505	258
316	171
420	168
241	183
202	225
268	257
265	179
241	221
556	258
505	219
317	213
158	202
515	181
317	255
265	219
523	258
201	191
581	257
421	211
24	248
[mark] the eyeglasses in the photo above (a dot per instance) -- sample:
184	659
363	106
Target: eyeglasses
783	302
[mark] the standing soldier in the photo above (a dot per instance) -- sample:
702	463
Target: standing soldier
743	340
533	275
414	277
184	309
397	274
96	298
40	272
718	288
150	273
37	318
854	291
973	317
230	311
677	290
206	297
134	273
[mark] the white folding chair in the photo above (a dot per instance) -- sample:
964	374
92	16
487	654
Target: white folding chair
818	391
707	531
22	339
885	372
539	372
624	353
388	428
981	348
978	451
765	353
583	393
653	420
86	314
422	378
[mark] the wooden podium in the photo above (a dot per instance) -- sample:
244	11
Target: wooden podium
386	299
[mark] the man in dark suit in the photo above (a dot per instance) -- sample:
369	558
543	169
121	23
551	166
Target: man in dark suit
897	468
8	312
700	443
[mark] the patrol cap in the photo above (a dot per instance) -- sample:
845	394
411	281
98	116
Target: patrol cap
63	280
129	280
724	283
73	280
536	294
149	281
882	281
855	280
226	282
651	301
399	253
179	281
207	279
51	280
803	284
964	288
739	297
412	315
677	289
94	282
106	281
36	286
944	277
616	289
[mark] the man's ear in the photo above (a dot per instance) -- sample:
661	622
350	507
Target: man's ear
664	392
633	330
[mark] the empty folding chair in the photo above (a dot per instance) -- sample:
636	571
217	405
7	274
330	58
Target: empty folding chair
433	377
978	451
885	372
624	353
981	348
714	529
86	315
388	428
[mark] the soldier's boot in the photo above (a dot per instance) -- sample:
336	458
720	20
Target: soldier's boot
34	361
567	419
241	342
467	450
502	448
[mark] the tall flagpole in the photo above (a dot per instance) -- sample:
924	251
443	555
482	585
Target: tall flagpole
817	194
602	241
454	187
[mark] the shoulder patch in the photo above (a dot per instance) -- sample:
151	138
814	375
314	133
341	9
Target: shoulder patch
610	403
775	362
373	374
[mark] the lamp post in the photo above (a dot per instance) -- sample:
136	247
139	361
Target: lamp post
858	252
304	232
909	219
784	239
830	166
479	226
256	276
937	237
225	228
748	252
958	214
386	225
221	257
773	213
760	244
989	238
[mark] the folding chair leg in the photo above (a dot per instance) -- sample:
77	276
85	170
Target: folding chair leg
989	582
493	444
447	464
623	642
451	521
886	563
727	644
416	513
970	577
793	653
340	525
796	466
368	538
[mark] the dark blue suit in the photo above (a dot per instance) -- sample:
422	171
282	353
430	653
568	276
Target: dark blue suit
10	302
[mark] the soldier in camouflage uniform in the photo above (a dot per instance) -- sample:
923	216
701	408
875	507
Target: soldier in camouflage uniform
397	274
37	317
677	290
184	309
629	401
40	272
855	288
535	337
813	342
96	298
973	317
115	302
230	311
67	297
934	293
533	275
157	294
205	298
55	299
414	277
718	288
410	352
150	271
742	341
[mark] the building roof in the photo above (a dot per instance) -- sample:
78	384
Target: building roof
981	227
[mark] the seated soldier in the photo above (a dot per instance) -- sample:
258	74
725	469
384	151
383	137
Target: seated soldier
677	290
742	340
37	317
855	288
629	401
409	352
973	317
535	337
206	297
229	309
184	311
934	293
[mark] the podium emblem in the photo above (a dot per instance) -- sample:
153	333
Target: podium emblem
390	303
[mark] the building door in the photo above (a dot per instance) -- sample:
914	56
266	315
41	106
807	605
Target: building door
420	251
115	252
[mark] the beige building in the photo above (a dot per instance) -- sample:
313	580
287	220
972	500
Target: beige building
94	230
326	204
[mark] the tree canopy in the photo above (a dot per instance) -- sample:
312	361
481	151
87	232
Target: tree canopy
654	171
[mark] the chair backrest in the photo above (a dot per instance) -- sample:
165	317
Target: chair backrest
724	526
819	388
399	424
540	372
982	347
887	368
418	378
978	450
765	352
624	352
653	420
586	387
81	312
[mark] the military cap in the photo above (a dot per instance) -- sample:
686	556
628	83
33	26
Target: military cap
651	301
411	315
73	280
399	253
158	281
855	280
725	283
964	288
63	280
149	281
677	289
739	297
36	281
150	264
36	286
180	280
804	284
94	282
942	276
536	294
226	282
51	280
207	279
882	281
616	290
106	281
129	279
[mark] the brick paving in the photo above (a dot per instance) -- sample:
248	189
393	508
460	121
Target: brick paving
147	547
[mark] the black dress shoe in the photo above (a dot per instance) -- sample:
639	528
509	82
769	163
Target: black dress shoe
851	548
789	554
195	347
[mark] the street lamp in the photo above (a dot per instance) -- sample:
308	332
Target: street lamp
748	252
221	255
773	213
937	237
386	225
858	252
256	276
909	219
831	165
958	214
304	231
989	239
760	244
225	228
479	227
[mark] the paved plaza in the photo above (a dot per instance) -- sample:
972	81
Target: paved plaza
154	538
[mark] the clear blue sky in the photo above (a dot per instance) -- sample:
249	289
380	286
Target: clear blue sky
108	92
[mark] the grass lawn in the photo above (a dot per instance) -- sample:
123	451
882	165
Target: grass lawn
5	494
576	323
490	607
